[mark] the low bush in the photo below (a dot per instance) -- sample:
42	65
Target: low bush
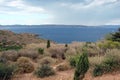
10	55
44	71
41	51
109	64
109	45
3	60
98	70
47	60
6	71
24	65
63	67
73	60
28	53
57	52
13	47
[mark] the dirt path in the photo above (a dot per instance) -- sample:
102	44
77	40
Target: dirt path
68	75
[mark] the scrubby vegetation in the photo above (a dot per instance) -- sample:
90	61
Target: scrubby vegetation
110	63
6	71
81	67
41	51
44	71
59	59
24	65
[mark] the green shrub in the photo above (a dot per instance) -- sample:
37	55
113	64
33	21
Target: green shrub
109	45
10	47
98	70
81	67
41	51
6	71
44	71
73	60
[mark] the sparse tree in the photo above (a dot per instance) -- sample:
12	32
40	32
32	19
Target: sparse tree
48	43
66	45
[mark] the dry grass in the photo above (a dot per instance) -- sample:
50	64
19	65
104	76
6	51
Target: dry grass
46	60
95	60
10	55
33	54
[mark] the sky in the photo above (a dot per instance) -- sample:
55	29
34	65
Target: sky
69	12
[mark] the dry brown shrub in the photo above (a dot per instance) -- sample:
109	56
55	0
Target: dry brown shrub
57	52
10	55
28	53
95	60
24	65
47	60
63	67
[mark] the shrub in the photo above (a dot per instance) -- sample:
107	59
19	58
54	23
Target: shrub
98	70
109	45
9	47
82	67
109	64
28	53
57	52
73	60
48	43
24	65
3	60
41	51
10	55
95	60
44	71
6	71
63	67
47	60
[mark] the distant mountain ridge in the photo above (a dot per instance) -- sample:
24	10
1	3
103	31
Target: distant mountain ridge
55	25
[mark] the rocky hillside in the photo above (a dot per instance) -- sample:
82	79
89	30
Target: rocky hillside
23	38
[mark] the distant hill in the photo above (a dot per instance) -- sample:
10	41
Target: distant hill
55	25
22	38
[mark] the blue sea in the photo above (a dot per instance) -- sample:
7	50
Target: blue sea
63	34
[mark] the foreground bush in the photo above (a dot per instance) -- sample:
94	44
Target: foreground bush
44	71
24	65
6	71
110	63
81	67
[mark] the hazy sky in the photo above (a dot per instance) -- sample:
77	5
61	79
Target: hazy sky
83	12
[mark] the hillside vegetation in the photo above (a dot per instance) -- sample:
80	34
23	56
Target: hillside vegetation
27	57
